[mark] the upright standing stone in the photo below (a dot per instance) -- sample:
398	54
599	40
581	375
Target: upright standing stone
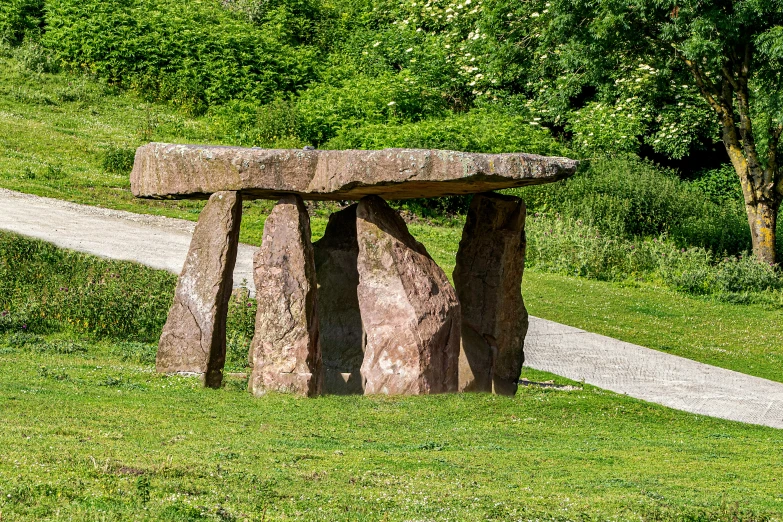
488	279
409	310
194	337
286	356
339	319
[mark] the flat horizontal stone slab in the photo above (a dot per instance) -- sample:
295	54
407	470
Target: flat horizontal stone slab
164	171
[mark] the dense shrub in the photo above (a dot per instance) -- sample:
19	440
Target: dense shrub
479	130
45	289
297	21
48	289
720	185
20	19
569	246
195	54
327	109
118	160
631	198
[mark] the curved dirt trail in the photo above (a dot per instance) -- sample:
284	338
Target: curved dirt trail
639	372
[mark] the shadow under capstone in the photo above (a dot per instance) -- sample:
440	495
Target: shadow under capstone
340	322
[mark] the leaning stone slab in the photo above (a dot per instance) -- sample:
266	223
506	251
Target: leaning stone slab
408	308
286	356
194	336
339	318
488	279
194	171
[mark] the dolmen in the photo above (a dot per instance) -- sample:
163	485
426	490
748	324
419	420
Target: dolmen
365	309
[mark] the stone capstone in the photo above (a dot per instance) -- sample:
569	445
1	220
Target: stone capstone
488	279
166	171
339	318
286	355
194	336
409	310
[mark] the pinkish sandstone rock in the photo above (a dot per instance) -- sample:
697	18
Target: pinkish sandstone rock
194	336
409	310
195	171
339	319
286	356
488	279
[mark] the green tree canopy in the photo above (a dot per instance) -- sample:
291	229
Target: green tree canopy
671	73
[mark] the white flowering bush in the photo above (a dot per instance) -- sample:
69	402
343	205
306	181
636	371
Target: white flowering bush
603	129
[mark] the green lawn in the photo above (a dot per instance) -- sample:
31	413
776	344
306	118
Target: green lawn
745	338
90	436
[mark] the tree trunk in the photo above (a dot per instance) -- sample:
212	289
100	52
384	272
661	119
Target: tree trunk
761	185
762	218
760	205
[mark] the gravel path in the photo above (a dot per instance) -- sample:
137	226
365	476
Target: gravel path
155	241
601	361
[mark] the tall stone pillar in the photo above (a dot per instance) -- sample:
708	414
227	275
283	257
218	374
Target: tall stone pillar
488	279
285	351
339	318
194	336
408	308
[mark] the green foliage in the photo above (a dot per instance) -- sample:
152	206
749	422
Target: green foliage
720	185
297	21
35	57
274	125
605	129
240	328
694	272
194	54
326	109
20	19
568	246
48	289
479	130
571	56
44	289
118	160
629	198
624	219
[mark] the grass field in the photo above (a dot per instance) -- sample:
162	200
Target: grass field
90	432
95	435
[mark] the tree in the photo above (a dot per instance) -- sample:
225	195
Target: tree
662	55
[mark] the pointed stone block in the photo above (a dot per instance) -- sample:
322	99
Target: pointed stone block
194	336
488	279
408	308
286	356
339	318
